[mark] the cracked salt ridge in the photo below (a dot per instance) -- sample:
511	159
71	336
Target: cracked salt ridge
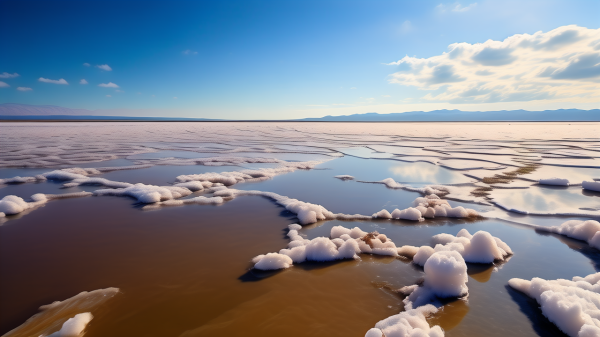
67	318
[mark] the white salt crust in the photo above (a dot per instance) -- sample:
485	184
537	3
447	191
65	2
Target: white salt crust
573	306
588	231
343	243
591	185
481	247
47	321
409	323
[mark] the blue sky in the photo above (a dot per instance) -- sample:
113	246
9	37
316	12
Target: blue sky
291	59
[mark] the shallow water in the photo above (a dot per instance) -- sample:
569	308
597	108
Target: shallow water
186	270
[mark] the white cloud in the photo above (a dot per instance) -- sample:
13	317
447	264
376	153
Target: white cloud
7	75
119	90
108	96
108	85
189	52
4	85
86	64
174	97
47	80
406	27
560	64
24	89
455	7
104	67
83	81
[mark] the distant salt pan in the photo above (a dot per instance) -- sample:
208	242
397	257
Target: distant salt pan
573	306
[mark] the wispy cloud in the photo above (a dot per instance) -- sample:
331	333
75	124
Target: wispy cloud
4	85
455	7
386	96
108	96
353	88
174	97
83	81
560	64
105	67
119	90
406	27
47	80
24	89
108	85
189	52
7	75
86	64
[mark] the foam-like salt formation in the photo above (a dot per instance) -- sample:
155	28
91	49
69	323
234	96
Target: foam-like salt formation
409	323
573	306
554	181
481	247
588	231
307	213
344	244
445	277
591	185
234	177
148	194
11	204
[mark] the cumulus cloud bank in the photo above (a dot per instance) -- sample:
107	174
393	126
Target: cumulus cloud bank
47	80
559	64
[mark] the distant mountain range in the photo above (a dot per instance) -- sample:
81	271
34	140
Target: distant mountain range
10	111
462	116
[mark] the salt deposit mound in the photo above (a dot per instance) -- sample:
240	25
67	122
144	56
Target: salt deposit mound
445	277
588	231
573	306
66	318
11	204
554	181
427	207
481	247
344	244
409	323
148	193
591	185
234	177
